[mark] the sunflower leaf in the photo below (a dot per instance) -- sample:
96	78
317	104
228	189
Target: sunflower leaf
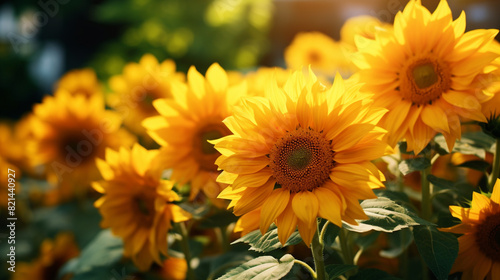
335	270
269	241
387	216
438	249
265	267
415	164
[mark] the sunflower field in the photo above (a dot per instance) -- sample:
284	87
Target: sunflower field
240	139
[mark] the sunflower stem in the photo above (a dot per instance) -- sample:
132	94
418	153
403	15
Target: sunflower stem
181	228
347	253
495	172
307	267
317	252
426	194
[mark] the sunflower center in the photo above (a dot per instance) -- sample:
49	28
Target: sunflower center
204	152
301	160
314	57
77	148
488	237
424	79
143	204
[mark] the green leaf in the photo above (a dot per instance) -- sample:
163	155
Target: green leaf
408	166
475	143
438	249
269	241
480	165
372	274
398	242
335	270
98	258
385	215
265	267
219	219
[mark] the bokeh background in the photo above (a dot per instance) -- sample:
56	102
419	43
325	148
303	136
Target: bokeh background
41	40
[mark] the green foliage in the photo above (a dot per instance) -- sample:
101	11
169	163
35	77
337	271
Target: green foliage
386	215
373	274
269	241
415	164
261	268
438	249
219	219
98	259
398	241
336	270
472	143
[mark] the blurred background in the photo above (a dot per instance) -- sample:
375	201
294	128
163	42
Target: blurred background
41	40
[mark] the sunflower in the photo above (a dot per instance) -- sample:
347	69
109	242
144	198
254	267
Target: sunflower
137	204
68	133
301	153
136	88
53	255
80	82
193	116
479	245
422	72
365	26
324	54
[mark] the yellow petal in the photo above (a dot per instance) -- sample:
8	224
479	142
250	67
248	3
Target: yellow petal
330	206
273	207
305	205
286	223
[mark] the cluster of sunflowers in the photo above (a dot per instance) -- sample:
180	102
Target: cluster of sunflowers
361	169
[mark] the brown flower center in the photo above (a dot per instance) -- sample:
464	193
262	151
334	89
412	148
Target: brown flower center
204	152
424	79
488	237
301	160
144	206
77	148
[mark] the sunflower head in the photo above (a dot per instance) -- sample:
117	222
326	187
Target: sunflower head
68	133
138	205
364	26
188	120
480	241
423	72
136	88
292	156
80	82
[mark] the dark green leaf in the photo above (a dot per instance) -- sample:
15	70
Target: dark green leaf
269	241
264	267
415	164
385	215
438	249
331	233
373	274
398	242
219	219
335	270
480	165
98	258
368	239
439	182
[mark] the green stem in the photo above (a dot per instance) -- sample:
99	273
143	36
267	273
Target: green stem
307	267
495	172
347	253
181	228
317	252
222	235
426	194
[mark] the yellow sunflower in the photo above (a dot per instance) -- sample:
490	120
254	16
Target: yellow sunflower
137	204
324	54
53	255
423	71
479	246
136	88
80	82
68	133
193	116
365	26
301	153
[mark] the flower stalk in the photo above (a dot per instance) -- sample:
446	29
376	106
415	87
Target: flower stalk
181	229
317	252
495	172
